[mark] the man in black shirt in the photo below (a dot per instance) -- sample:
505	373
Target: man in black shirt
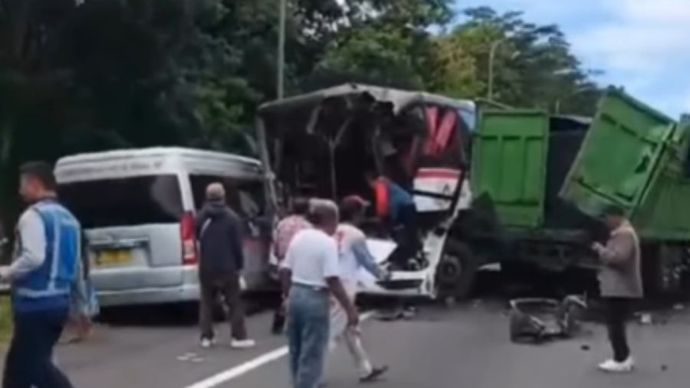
221	262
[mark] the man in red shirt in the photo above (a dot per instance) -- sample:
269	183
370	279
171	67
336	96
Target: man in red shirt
286	229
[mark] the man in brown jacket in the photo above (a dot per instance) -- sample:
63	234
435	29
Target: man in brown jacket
621	282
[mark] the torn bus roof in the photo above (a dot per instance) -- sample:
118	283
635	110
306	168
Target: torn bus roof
398	98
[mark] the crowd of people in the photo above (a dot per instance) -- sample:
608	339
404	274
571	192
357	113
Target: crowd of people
320	258
320	250
322	262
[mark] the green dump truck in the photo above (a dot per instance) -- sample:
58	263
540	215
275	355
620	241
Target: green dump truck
540	183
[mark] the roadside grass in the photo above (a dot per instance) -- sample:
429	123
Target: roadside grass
5	321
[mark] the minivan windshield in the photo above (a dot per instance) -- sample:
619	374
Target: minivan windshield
155	199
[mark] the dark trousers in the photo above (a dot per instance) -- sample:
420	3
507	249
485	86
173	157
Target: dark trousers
618	310
226	285
406	235
279	318
29	362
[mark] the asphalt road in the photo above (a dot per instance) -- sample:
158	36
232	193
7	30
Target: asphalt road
464	347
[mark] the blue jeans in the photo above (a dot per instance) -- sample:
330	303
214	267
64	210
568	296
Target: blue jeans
307	330
29	361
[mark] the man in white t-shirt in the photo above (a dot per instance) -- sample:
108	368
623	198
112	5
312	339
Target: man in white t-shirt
310	274
354	255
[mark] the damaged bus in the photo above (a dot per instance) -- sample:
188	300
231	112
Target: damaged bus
324	143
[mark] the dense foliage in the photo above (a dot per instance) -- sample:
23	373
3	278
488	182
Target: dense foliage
83	75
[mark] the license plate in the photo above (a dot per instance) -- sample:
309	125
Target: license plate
113	258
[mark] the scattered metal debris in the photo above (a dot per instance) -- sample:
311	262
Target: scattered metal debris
189	357
404	313
646	319
541	319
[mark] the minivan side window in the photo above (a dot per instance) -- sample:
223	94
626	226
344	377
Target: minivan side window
244	196
141	200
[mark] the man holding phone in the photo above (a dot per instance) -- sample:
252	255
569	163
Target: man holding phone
621	283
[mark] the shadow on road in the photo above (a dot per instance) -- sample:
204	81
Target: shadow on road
175	315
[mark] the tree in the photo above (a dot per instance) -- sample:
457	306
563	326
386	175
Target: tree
452	69
89	75
385	42
533	66
112	74
374	56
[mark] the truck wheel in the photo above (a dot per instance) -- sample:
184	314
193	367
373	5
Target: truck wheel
457	270
662	269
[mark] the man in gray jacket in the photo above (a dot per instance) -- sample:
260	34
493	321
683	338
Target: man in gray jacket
220	240
621	282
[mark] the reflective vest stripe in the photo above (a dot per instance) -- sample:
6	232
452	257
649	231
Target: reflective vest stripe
29	293
55	265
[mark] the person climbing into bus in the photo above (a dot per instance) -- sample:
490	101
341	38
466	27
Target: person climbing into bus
396	206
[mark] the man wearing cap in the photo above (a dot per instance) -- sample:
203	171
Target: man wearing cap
621	283
220	264
354	255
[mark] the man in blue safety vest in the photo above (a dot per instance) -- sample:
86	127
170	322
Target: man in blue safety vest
43	275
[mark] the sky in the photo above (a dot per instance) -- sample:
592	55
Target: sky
642	45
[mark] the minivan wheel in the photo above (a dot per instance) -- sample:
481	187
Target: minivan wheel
457	271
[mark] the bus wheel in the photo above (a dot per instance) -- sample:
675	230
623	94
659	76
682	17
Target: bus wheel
456	271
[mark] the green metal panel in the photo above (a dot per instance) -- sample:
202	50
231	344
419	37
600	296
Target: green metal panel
664	213
620	156
509	164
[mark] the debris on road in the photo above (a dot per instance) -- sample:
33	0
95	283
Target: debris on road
541	319
189	357
646	319
405	313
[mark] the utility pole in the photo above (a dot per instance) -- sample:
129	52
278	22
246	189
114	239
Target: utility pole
584	89
280	87
492	58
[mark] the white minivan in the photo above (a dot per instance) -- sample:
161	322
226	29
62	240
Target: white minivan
138	209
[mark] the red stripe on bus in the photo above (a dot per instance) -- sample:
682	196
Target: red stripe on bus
438	173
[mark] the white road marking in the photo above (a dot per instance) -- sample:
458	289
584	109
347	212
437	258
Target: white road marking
242	369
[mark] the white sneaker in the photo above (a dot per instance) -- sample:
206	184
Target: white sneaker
242	344
618	367
207	343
